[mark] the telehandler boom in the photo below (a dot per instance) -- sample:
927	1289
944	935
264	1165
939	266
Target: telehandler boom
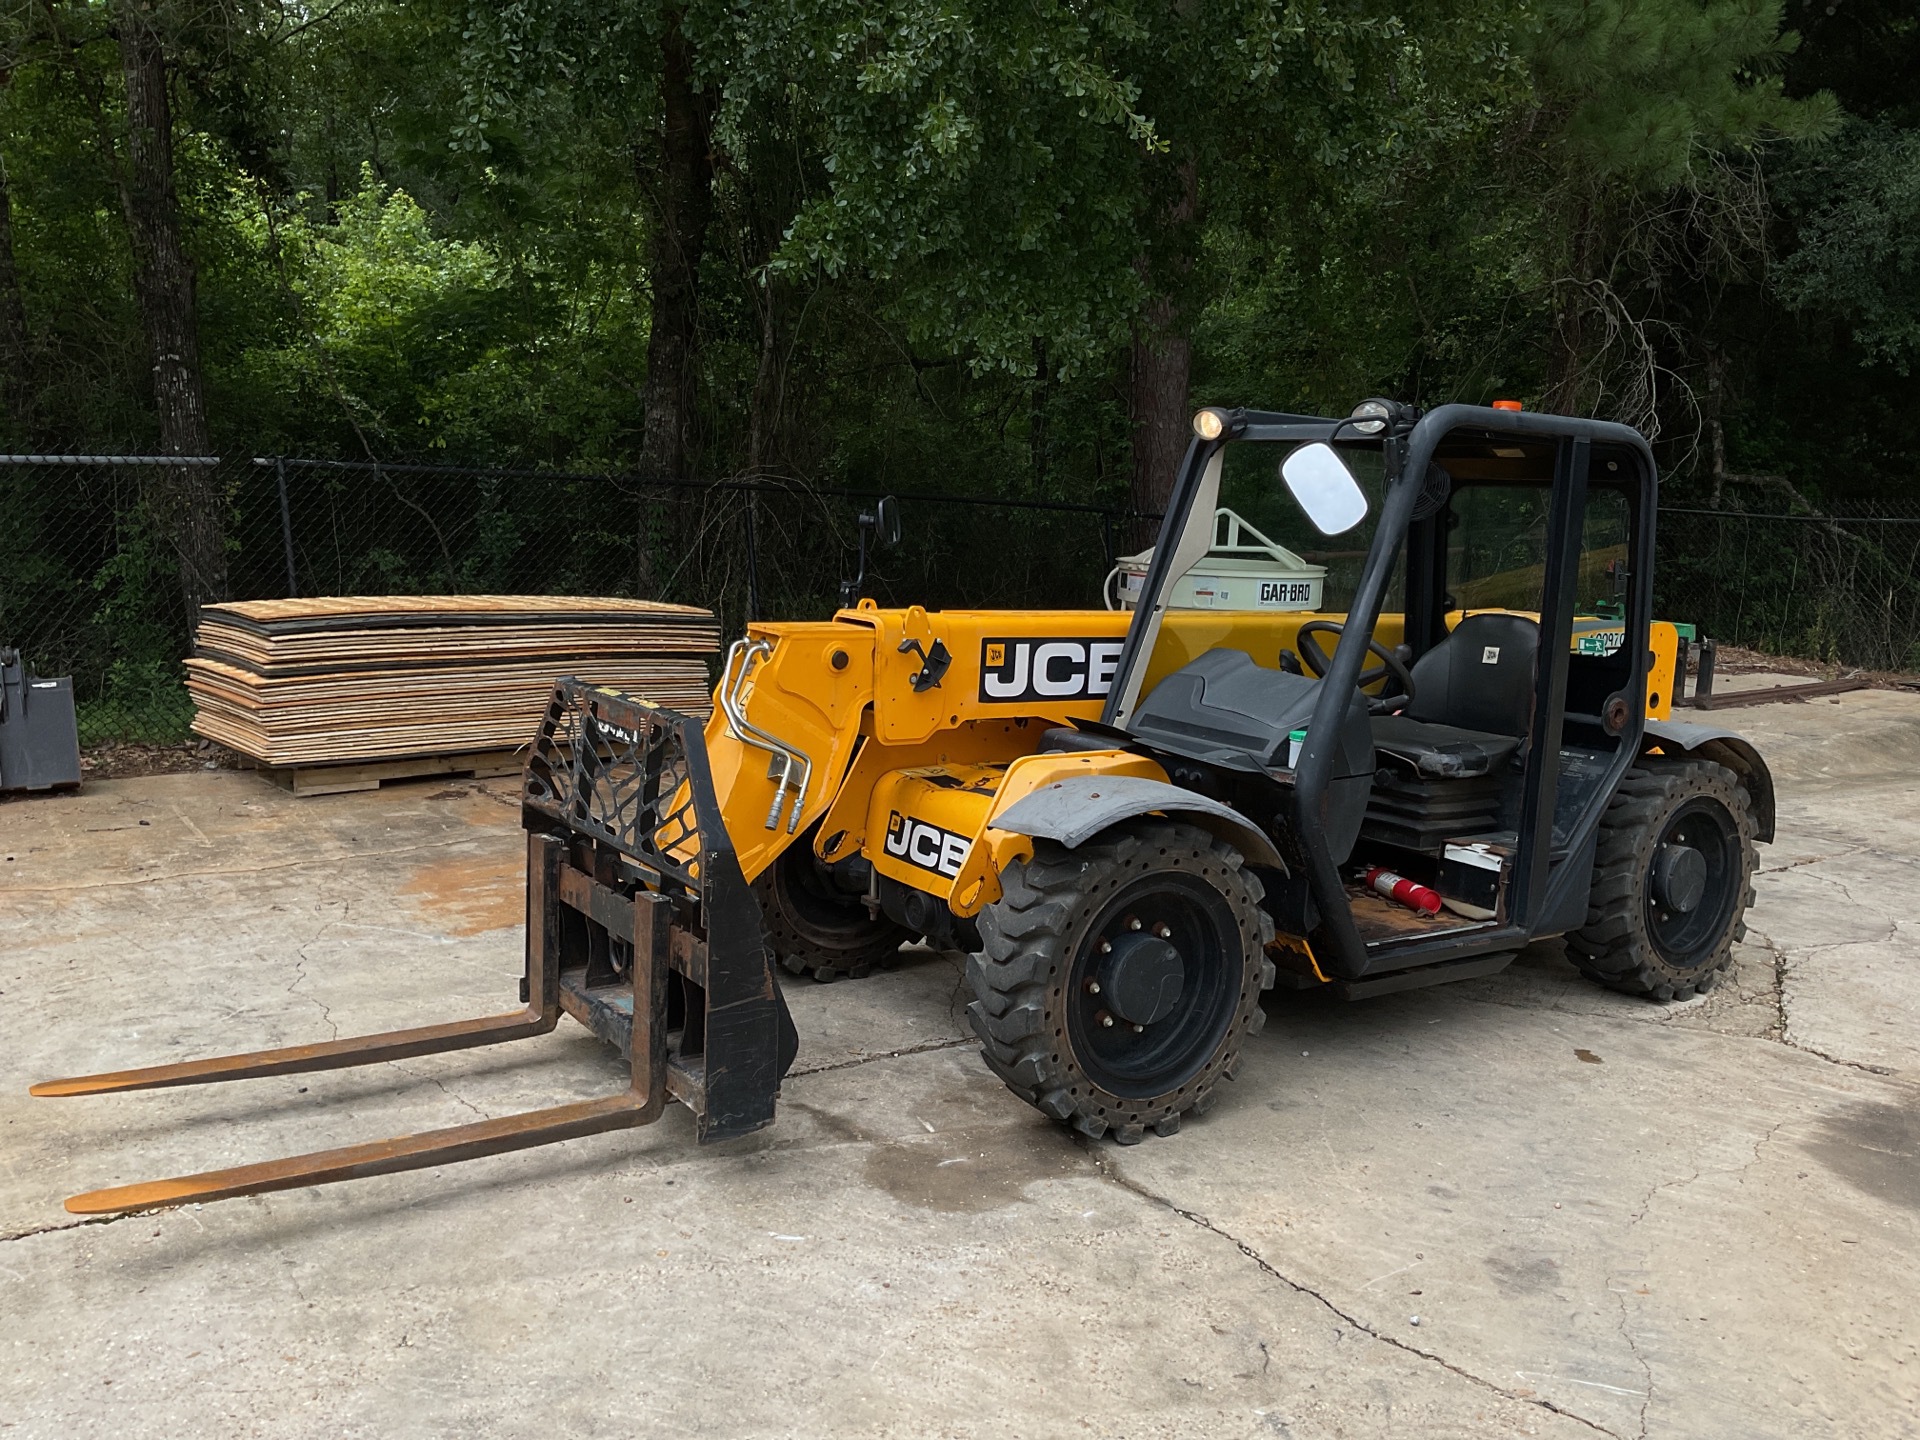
1135	824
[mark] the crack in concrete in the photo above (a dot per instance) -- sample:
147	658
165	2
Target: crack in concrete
1646	1204
300	972
1779	954
1893	933
438	1084
1860	1065
1773	998
84	1220
1646	1370
1813	860
1104	1168
1622	1327
925	1047
1761	1144
1892	922
1781	971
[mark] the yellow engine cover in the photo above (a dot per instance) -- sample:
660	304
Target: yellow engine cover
926	819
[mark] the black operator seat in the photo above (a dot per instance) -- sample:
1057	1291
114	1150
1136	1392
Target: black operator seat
1472	700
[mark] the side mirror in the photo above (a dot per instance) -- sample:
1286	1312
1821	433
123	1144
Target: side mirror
886	522
1323	486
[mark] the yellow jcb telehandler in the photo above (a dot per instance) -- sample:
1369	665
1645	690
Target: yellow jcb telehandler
1134	823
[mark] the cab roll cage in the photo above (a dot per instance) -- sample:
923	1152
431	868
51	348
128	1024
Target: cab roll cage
1540	889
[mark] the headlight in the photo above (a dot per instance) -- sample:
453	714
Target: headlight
1370	416
1209	424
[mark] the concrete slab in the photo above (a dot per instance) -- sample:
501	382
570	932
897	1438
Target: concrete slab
1610	1217
1613	1216
1862	737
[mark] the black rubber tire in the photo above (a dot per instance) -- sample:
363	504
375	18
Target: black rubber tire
1033	940
814	930
1620	945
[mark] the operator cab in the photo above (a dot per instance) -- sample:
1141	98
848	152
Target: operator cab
1480	723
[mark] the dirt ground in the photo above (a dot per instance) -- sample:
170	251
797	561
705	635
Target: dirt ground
1514	1206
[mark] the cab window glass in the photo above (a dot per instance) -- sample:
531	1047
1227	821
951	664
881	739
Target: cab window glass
1497	550
1251	487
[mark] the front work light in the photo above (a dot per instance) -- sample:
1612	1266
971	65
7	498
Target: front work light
1209	424
1370	416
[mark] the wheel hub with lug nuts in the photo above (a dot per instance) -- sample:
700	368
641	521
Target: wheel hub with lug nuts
1141	976
1679	877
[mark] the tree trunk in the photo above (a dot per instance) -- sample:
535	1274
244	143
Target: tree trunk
16	375
1568	382
683	206
187	500
1161	374
1160	370
764	412
1038	402
1716	362
1567	354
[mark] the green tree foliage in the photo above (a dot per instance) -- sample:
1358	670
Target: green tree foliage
944	240
1642	90
421	342
1652	118
1858	205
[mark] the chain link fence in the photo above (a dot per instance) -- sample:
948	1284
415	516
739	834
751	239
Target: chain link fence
1841	588
91	585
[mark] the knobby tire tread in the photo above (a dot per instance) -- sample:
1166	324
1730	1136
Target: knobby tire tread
1025	937
803	949
1612	948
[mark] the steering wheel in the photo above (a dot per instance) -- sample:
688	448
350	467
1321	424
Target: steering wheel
1315	659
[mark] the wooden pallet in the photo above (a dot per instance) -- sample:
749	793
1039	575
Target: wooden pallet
339	779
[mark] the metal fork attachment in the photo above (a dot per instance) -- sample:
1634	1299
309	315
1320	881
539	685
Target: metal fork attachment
639	925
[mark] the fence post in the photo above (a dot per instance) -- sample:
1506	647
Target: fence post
286	525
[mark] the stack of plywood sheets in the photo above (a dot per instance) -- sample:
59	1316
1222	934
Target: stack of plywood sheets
358	678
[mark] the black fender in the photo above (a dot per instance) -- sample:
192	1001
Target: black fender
1723	747
1074	810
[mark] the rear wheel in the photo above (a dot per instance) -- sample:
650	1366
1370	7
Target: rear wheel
1117	982
1672	880
814	927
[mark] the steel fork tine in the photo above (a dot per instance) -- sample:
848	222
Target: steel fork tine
380	1157
300	1059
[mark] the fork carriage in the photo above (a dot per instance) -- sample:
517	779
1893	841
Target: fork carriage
639	925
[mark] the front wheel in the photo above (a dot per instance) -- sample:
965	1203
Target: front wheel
1117	982
1672	880
815	928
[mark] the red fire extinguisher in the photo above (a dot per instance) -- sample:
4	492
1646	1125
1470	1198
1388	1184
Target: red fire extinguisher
1409	893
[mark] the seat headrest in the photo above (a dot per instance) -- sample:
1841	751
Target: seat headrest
1481	676
1490	628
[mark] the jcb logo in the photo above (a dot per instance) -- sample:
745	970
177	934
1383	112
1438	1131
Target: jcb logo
1065	669
928	846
